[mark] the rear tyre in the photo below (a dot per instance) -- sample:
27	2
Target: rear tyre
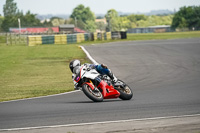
94	95
126	92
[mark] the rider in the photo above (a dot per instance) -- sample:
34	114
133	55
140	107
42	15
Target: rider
75	67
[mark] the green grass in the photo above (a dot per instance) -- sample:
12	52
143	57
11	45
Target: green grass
43	70
36	71
167	35
2	40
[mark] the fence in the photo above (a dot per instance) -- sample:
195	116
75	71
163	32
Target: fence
32	40
14	39
67	38
58	39
102	36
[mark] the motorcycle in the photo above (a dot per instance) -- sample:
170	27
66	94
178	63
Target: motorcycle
106	89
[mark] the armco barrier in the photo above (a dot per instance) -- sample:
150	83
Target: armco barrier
71	38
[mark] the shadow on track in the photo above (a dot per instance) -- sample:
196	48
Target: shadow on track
112	100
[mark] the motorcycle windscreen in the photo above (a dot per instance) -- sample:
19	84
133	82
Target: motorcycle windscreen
92	74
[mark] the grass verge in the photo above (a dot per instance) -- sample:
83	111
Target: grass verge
159	36
36	71
2	40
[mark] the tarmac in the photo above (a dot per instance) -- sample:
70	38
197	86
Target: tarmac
182	124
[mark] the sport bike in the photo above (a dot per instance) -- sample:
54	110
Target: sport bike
106	89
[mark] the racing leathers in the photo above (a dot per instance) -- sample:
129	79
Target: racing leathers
100	68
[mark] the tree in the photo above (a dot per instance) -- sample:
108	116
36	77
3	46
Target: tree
9	21
47	23
83	17
10	11
56	21
1	21
90	26
145	21
112	19
101	26
116	23
29	20
135	18
142	23
12	14
80	24
187	17
194	18
124	23
10	8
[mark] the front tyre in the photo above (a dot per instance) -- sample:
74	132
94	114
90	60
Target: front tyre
94	95
125	91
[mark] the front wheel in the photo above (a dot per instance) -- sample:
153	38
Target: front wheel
94	95
125	91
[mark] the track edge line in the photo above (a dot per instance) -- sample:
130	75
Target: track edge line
95	123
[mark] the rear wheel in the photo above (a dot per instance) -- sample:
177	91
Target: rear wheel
126	92
94	95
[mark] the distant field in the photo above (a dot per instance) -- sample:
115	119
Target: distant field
167	35
43	70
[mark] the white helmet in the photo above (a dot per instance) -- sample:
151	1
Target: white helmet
73	64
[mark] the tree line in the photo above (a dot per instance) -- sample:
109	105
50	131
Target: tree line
84	18
187	17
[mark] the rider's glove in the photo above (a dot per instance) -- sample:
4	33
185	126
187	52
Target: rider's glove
104	66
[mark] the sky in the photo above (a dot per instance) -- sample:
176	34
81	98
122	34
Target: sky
54	7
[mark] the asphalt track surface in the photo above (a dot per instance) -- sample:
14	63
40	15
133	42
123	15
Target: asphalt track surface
164	76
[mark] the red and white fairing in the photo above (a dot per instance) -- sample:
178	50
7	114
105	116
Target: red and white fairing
108	91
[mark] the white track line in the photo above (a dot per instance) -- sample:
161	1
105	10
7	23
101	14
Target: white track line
94	123
40	97
88	55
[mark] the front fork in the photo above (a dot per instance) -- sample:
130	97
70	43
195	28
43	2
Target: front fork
90	83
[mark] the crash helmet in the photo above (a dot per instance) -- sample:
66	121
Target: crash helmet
76	69
73	64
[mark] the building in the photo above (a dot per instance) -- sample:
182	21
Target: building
101	20
67	28
34	30
77	30
151	29
103	25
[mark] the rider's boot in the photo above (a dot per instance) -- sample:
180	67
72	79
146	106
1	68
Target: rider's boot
97	81
112	76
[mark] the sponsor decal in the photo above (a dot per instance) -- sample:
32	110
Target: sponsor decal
77	78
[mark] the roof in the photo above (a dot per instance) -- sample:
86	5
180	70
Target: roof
101	20
79	30
66	26
159	26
